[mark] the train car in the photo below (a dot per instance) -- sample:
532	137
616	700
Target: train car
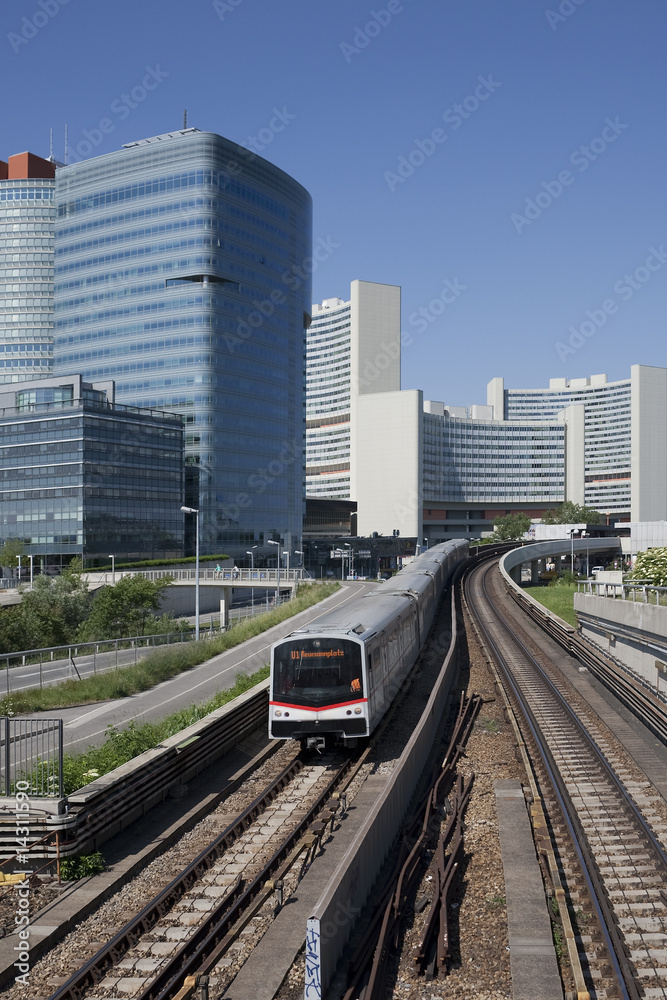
333	680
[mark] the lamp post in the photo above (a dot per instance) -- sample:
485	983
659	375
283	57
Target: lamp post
349	558
572	551
194	510
19	569
271	542
113	570
298	552
251	553
30	557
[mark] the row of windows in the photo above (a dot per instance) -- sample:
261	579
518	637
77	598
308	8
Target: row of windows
177	182
27	193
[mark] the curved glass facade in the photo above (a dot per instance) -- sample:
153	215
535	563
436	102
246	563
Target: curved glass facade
183	273
27	221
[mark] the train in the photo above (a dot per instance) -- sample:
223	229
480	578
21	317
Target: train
333	679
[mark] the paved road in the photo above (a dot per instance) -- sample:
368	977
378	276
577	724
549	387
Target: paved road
56	671
85	663
86	724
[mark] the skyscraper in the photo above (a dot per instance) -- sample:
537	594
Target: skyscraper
182	272
353	349
27	220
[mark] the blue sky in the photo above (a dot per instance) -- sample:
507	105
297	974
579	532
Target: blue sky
501	160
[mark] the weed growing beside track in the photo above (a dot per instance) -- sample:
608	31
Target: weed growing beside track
160	665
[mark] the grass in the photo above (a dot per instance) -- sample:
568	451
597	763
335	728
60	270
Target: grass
558	598
160	665
120	746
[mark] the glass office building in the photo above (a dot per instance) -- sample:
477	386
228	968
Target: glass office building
183	273
27	224
81	475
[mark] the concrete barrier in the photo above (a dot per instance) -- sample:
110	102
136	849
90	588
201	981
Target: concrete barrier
332	919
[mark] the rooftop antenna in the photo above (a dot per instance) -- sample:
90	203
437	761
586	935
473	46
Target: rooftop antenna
65	143
50	143
185	119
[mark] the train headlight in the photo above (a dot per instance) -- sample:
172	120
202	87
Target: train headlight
277	713
357	711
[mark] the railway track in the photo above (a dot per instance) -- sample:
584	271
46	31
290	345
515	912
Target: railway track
606	833
198	919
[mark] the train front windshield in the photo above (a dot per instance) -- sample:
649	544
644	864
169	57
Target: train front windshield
317	672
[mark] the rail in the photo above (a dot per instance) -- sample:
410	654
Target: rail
645	591
630	690
227	575
105	807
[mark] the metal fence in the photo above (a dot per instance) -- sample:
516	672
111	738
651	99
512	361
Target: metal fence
638	592
58	663
32	757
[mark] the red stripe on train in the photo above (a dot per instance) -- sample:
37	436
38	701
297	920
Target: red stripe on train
322	708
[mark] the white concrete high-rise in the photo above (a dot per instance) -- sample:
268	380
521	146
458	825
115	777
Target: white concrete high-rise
353	349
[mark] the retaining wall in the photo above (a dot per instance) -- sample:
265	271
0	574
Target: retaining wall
633	632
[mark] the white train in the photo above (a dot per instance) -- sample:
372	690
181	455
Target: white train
334	679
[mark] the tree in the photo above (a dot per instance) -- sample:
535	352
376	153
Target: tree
10	552
651	566
127	609
510	527
54	609
571	513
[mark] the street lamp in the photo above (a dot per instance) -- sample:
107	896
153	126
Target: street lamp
298	552
30	557
113	570
271	542
19	569
251	553
194	510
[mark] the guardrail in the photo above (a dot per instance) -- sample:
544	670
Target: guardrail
236	577
50	655
54	656
622	590
349	886
631	690
90	816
